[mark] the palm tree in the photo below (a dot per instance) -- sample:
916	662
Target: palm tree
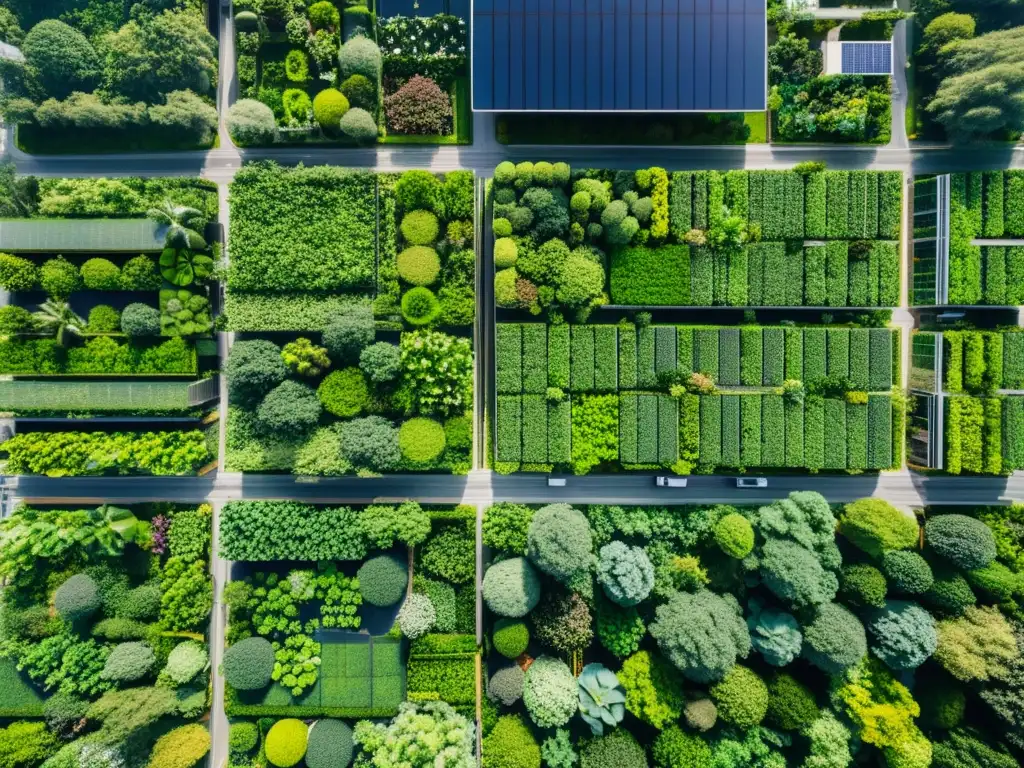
58	318
182	223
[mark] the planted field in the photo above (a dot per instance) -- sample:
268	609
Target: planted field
141	397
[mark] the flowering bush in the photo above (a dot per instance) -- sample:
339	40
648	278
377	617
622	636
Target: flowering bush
419	107
435	37
437	372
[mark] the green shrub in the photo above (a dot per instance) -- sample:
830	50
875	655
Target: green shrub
140	320
248	664
653	688
625	573
559	542
419	228
419	264
702	634
907	572
835	640
360	92
421	440
741	697
450	554
101	275
734	535
791	705
511	587
506	685
964	541
251	123
360	56
511	744
60	278
344	393
185	662
290	408
774	634
942	702
297	105
563	622
383	580
285	744
505	527
329	106
550	693
253	369
511	638
14	320
243	737
349	333
140	604
330	745
417	616
77	598
104	319
949	594
371	443
381	362
17	273
128	662
383	525
139	274
420	306
875	526
458	433
618	748
675	748
862	585
902	634
359	125
505	253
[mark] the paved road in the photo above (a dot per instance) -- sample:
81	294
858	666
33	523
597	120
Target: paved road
904	489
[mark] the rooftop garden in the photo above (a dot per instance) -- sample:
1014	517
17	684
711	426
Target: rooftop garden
793	634
104	659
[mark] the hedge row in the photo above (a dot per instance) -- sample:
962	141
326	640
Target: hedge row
834	274
648	429
763	430
605	358
996	202
973	360
533	430
786	205
974	435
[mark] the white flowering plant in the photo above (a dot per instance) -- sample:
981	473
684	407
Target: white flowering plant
423	37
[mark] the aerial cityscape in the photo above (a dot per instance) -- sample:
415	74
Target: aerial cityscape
511	383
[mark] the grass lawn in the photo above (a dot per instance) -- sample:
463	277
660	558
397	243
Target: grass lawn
758	124
18	698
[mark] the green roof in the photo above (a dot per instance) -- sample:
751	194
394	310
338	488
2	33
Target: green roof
139	396
71	235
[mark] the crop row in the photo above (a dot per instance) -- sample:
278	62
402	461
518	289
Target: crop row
984	435
832	274
788	205
983	361
606	358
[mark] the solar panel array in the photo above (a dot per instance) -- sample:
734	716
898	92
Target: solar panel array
867	58
80	235
619	55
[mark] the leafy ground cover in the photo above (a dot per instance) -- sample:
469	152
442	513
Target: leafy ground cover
100	77
335	627
704	238
104	658
597	397
793	634
986	205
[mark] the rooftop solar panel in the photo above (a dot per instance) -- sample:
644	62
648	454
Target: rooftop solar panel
867	58
619	55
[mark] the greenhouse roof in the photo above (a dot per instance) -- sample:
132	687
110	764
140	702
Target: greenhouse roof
81	235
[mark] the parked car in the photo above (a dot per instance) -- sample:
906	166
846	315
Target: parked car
751	482
670	482
556	482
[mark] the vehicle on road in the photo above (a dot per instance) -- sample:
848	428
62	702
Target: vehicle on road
670	482
751	482
556	482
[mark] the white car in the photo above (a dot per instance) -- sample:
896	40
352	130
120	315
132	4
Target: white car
751	482
556	482
670	482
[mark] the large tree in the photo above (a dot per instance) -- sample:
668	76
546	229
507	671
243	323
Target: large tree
60	58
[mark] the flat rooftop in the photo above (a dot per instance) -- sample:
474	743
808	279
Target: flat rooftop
619	55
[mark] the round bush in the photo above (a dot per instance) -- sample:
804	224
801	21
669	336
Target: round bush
371	442
876	526
360	92
563	622
907	572
360	56
14	319
17	273
675	748
505	252
419	107
330	745
419	227
59	277
511	588
419	265
359	125
251	123
950	594
77	598
995	582
247	21
617	749
511	744
290	408
420	306
285	744
501	226
140	320
242	737
248	664
421	440
700	714
791	704
835	640
329	106
506	685
344	393
964	541
383	580
381	362
104	319
186	661
323	14
140	604
902	635
458	432
128	662
734	535
942	701
550	693
741	697
297	105
296	66
625	573
139	274
511	638
417	616
862	585
559	542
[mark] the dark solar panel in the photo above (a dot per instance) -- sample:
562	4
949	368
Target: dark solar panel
867	58
643	55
